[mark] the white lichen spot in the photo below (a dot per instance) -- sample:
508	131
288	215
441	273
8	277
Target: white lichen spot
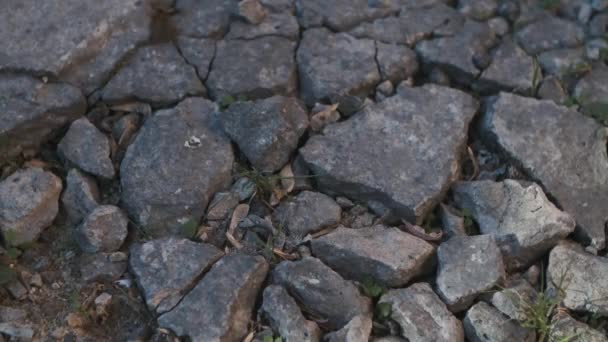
193	142
313	281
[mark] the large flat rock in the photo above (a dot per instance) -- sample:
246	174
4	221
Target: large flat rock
390	152
561	149
179	159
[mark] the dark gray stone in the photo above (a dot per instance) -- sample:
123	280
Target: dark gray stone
564	327
86	147
198	52
28	204
103	230
357	330
267	131
100	267
593	88
178	161
157	74
562	62
572	167
468	267
452	222
307	213
256	68
549	33
220	306
221	206
484	323
203	19
422	316
334	64
386	255
396	62
165	269
339	15
552	89
283	24
350	157
598	26
321	291
32	111
80	197
478	9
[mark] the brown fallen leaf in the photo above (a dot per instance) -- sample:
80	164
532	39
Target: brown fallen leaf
240	212
288	181
419	232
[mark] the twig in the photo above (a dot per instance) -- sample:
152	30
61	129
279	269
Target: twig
474	162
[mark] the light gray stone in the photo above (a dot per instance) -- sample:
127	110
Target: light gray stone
564	327
562	62
350	157
283	24
220	305
321	291
386	255
178	161
198	52
166	269
467	267
548	33
396	62
524	222
422	316
103	230
284	315
32	112
357	330
593	88
307	213
511	300
100	267
80	197
484	323
574	171
29	202
478	9
203	19
267	131
499	25
339	15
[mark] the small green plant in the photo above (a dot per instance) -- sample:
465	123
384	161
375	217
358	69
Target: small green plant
227	100
373	289
189	228
383	310
536	77
270	338
469	222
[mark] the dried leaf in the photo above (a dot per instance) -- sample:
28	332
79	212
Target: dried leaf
240	212
288	181
419	232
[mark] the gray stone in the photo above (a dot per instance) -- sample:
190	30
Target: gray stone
412	25
549	33
452	222
596	49
100	268
86	147
80	197
524	222
357	330
321	291
350	157
599	5
16	289
511	70
598	26
279	5
323	115
267	131
551	89
284	315
244	188
564	327
562	62
198	52
422	316
221	206
581	276
389	339
437	76
83	52
252	11
32	112
499	25
9	314
165	269
339	15
334	64
584	13
396	62
468	267
593	88
156	74
478	9
28	204
203	19
220	305
574	171
511	300
283	24
484	323
103	230
178	161
386	255
307	213
20	331
256	68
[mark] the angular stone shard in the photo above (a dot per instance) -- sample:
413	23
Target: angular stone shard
350	157
32	111
321	291
29	202
561	149
422	316
548	33
340	15
178	160
511	300
386	255
166	268
521	218
485	323
220	306
80	197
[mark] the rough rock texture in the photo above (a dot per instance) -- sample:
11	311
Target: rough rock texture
86	147
549	33
552	89
307	213
562	62
565	327
267	131
80	197
521	218
350	157
284	315
104	230
255	68
593	88
209	18
563	150
467	267
198	52
32	111
166	268
484	323
452	222
396	62
321	291
28	204
510	300
283	24
333	64
100	267
422	316
219	306
339	15
478	9
83	52
177	162
582	276
357	330
386	255
156	74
